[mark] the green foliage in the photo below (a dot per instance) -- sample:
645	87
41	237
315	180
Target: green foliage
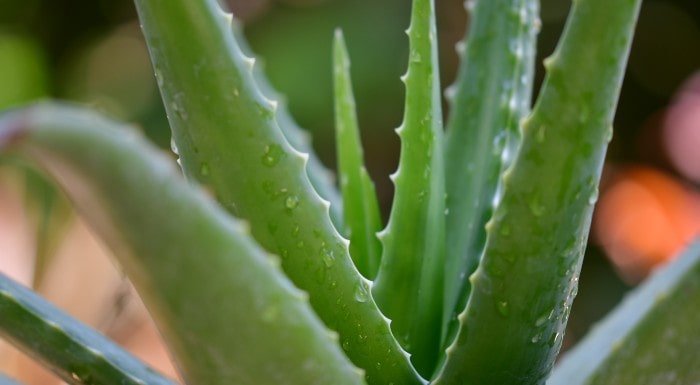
360	206
74	352
489	222
649	338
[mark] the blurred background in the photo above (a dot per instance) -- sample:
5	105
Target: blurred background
92	52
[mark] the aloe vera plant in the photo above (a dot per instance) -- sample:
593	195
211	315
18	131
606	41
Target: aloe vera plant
254	282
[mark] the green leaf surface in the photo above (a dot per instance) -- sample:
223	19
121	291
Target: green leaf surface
320	177
409	286
491	95
360	206
512	328
649	339
228	138
75	352
227	312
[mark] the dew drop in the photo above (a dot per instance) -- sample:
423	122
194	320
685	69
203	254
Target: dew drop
503	309
159	78
204	169
593	196
536	208
177	106
415	57
327	257
346	345
295	230
291	202
608	134
536	338
272	155
173	146
499	142
361	293
541	131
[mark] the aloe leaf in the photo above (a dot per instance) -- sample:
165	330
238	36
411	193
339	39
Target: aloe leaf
320	177
360	206
650	338
514	321
228	314
409	286
491	95
227	136
76	353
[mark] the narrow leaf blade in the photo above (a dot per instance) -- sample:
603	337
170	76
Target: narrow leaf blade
321	178
650	338
75	352
514	321
228	138
360	206
409	286
491	95
226	311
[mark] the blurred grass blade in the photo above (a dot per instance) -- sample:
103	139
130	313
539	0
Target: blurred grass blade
514	321
360	206
409	285
228	137
50	213
75	352
650	338
320	177
491	95
219	300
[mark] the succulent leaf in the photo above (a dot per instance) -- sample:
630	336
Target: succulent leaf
650	338
409	285
491	95
321	178
522	291
360	206
228	138
227	312
75	352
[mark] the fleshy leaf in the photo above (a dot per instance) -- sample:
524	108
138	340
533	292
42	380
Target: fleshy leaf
360	206
75	352
227	312
491	95
409	286
228	138
320	177
650	338
514	321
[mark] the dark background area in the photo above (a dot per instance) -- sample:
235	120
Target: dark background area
92	52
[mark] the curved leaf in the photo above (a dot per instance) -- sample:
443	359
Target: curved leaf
226	311
492	94
75	352
409	286
649	339
360	206
513	325
228	138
